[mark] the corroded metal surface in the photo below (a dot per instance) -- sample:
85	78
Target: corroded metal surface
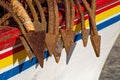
68	34
95	37
53	32
68	39
36	41
84	31
59	43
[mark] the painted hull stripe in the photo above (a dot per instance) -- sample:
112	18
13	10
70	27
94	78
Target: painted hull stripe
11	52
108	7
10	48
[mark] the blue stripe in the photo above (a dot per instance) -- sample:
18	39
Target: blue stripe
16	70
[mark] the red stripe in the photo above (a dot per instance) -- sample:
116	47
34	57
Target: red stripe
108	7
102	3
11	52
7	30
9	42
8	37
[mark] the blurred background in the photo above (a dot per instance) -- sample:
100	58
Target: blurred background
111	69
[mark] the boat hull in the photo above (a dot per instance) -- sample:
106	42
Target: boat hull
83	64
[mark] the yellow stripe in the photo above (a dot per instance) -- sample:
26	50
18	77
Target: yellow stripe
108	13
100	17
11	60
17	57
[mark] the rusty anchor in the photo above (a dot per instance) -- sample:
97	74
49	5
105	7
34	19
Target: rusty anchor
95	38
84	31
68	34
53	31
